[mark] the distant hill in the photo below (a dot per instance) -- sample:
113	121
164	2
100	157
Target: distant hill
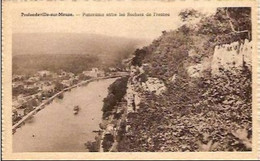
43	47
76	63
70	43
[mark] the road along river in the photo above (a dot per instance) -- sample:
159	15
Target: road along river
57	129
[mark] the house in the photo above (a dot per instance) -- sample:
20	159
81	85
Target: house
17	84
66	83
48	88
111	69
70	74
18	78
94	73
33	79
20	112
44	73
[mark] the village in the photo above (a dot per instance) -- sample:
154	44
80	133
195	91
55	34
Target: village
31	91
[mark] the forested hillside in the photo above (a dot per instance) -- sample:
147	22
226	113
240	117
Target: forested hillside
175	101
70	52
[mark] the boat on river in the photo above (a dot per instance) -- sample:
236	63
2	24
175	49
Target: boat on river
76	110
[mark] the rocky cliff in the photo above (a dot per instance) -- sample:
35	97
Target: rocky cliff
189	90
195	112
234	55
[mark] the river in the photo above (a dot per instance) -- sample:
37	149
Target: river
57	129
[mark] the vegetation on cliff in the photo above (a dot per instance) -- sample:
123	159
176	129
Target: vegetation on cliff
208	113
116	92
111	115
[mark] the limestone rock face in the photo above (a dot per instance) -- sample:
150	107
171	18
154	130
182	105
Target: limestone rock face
226	56
136	86
195	70
130	98
133	98
154	85
173	78
232	55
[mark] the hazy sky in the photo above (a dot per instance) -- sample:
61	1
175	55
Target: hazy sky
132	27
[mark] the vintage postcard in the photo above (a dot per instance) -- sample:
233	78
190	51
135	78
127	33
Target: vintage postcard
118	79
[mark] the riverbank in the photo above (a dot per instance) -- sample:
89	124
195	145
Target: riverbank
114	116
42	106
57	129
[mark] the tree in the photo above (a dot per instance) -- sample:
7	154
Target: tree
139	56
239	19
189	14
227	25
117	90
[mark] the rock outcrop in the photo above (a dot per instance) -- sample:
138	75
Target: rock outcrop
136	86
227	57
234	55
154	85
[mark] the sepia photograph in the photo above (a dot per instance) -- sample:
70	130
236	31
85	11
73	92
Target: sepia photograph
187	90
172	79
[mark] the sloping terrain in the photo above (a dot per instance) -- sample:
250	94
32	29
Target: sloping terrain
182	95
203	112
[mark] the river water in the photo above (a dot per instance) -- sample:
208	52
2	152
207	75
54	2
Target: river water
57	129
